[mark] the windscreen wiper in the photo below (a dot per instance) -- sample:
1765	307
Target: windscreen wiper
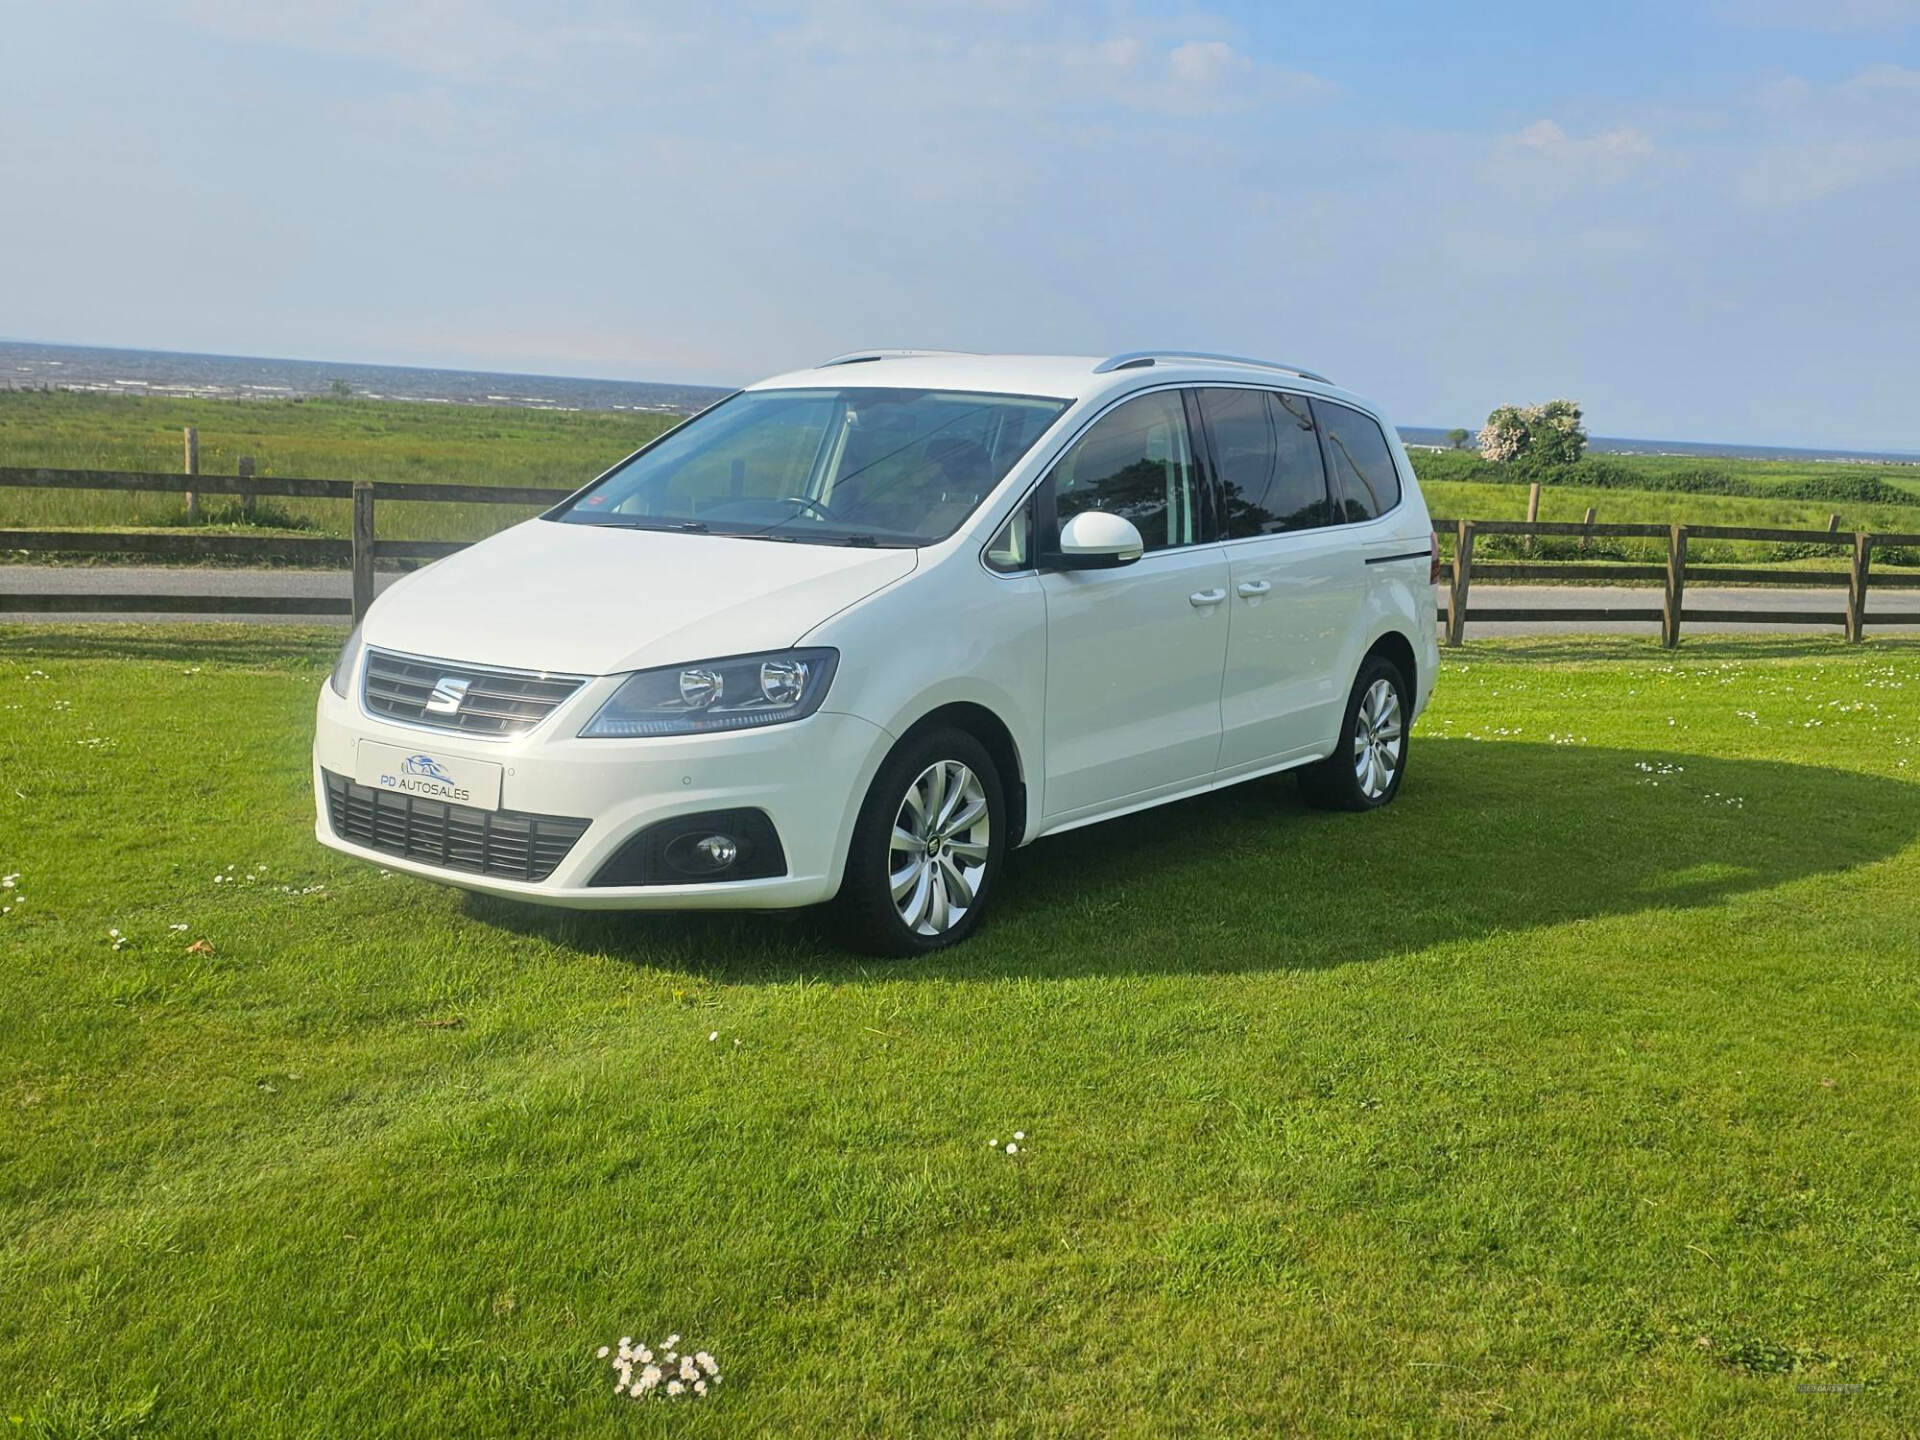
691	527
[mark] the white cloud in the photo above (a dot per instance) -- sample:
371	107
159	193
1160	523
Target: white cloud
1609	148
1544	159
1797	174
1818	140
1003	53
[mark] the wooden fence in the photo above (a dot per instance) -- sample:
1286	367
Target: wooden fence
363	551
360	553
1672	612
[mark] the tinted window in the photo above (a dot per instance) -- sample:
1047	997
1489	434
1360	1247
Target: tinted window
1136	463
1364	478
1269	460
896	467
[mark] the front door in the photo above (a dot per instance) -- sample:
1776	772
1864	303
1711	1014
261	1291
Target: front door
1134	654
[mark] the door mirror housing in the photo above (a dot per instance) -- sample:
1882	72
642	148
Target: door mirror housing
1095	540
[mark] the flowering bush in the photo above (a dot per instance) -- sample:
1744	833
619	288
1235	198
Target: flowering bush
1504	437
641	1374
1549	434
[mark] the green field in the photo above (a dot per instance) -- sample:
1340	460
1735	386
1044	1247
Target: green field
398	440
1669	489
1573	1095
322	438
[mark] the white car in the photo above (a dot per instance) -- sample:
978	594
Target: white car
855	632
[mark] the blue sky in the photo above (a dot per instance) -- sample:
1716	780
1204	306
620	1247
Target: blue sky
1699	218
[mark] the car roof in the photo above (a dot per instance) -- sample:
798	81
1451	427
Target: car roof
1063	377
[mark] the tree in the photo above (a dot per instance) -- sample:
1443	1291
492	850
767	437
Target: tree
1458	439
1542	435
340	390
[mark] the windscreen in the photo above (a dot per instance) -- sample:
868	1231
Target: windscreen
843	466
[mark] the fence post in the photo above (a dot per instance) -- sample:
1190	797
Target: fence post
1533	512
1676	586
1857	588
1586	536
246	495
362	548
1833	523
192	464
1462	574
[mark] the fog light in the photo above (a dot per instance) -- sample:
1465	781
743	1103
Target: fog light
708	854
719	850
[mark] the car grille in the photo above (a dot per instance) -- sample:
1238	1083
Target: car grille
496	702
505	843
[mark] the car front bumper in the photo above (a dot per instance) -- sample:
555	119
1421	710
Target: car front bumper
809	778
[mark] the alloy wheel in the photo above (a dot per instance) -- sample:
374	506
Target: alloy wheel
938	854
1378	739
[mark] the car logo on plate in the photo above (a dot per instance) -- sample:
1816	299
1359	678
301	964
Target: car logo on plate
449	693
428	766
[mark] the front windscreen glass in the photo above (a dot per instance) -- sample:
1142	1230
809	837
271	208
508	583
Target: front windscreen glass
846	467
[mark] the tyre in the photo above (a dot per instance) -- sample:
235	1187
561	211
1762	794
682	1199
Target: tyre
927	848
1370	757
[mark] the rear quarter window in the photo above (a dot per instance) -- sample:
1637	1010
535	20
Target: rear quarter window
1366	482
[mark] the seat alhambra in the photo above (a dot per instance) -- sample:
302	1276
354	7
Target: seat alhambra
854	633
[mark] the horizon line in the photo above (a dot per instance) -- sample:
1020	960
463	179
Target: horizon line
1897	451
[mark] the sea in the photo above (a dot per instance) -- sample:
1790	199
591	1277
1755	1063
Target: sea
32	366
27	366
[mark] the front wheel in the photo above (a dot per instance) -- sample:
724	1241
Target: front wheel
1370	757
927	848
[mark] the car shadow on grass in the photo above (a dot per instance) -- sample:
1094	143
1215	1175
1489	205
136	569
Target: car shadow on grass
1486	837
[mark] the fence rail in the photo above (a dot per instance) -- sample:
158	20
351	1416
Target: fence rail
363	550
1673	611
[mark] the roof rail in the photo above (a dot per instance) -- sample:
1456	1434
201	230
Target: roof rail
855	357
1139	359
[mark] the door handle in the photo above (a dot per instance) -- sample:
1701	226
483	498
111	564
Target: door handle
1250	588
1201	599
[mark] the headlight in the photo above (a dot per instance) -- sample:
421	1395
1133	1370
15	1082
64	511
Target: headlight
342	676
737	693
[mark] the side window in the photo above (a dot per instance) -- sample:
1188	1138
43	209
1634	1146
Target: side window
1268	453
1365	480
1011	548
1135	462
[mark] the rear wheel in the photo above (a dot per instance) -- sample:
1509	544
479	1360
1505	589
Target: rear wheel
927	848
1370	757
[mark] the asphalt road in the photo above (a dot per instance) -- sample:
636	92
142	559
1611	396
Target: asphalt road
132	580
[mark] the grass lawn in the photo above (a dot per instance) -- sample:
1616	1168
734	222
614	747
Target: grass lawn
1575	1093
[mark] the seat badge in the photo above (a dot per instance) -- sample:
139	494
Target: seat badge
449	693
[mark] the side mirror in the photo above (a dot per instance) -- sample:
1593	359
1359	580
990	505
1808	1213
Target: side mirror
1095	540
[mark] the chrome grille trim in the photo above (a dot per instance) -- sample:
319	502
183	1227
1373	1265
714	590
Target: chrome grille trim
498	703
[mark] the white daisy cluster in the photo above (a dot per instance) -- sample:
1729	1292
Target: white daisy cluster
1653	772
642	1374
1013	1146
12	883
